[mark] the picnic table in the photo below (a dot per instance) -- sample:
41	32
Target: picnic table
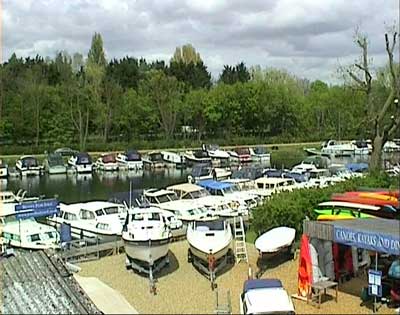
320	288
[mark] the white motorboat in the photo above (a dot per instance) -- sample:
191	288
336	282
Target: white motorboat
265	296
244	154
153	160
206	171
196	157
332	148
107	162
173	158
54	164
146	235
95	219
261	155
10	197
209	238
275	240
130	159
3	169
28	165
248	186
361	147
215	153
233	157
391	146
219	205
81	162
321	178
26	233
185	210
273	185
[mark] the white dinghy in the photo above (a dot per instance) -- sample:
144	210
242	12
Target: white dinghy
275	240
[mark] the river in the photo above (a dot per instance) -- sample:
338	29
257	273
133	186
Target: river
100	186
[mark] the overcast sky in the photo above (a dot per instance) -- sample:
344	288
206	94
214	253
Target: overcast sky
307	37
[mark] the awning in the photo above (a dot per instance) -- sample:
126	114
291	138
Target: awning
381	235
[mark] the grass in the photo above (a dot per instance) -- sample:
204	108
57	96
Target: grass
251	235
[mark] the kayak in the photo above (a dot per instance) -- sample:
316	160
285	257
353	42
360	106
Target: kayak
339	208
305	276
365	200
332	217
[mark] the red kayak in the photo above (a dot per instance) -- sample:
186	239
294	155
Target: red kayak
366	199
305	277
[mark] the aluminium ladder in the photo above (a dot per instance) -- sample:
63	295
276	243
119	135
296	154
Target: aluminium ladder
240	240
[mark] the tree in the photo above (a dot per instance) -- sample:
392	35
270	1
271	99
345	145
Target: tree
238	73
194	75
165	94
96	53
378	115
186	54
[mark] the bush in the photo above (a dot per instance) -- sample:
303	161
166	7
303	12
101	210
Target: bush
291	208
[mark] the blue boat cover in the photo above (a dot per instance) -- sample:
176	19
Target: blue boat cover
213	184
299	178
83	158
357	167
273	173
394	270
261	284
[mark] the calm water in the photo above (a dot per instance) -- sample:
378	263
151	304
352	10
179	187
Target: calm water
75	188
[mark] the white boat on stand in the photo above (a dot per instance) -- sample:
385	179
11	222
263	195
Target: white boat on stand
131	159
28	165
81	162
95	220
210	246
146	235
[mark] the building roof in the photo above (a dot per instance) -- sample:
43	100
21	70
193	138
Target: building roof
39	283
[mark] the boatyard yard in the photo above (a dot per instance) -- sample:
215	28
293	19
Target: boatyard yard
181	289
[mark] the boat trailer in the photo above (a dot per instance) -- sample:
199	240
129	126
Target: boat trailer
149	270
212	267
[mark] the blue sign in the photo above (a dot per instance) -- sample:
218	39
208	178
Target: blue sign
375	282
372	241
40	208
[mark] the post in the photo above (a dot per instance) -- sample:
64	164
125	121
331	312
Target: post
376	269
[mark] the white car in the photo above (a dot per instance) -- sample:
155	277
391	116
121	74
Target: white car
265	296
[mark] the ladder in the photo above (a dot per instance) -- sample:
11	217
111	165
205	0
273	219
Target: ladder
223	308
240	240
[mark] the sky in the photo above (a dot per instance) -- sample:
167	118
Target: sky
309	38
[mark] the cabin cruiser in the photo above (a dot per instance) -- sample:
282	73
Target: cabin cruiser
196	156
391	146
209	238
94	220
331	147
173	158
154	159
185	210
243	154
275	185
248	186
239	200
107	162
81	162
146	235
28	165
206	171
265	296
215	153
26	233
217	204
362	147
3	169
10	197
260	154
131	159
54	164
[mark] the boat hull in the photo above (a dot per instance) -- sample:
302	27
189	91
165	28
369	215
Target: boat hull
3	172
108	167
83	168
204	256
29	172
57	170
145	251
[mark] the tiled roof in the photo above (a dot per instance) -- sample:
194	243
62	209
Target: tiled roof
39	283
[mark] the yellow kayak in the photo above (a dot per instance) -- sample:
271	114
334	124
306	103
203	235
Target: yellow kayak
377	196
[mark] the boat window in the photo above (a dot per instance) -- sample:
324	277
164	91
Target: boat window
103	226
99	212
162	199
137	217
189	196
70	216
33	238
212	225
60	214
219	192
173	197
154	216
86	215
50	235
260	185
11	236
29	162
152	199
111	210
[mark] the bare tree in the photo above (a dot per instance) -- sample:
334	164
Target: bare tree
376	114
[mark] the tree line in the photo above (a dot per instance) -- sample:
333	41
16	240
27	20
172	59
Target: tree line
71	99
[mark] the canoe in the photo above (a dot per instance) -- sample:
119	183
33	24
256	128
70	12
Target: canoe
343	213
276	239
305	276
364	200
332	217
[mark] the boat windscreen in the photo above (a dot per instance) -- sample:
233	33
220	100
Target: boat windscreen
29	162
55	159
260	150
111	210
110	158
242	151
83	159
201	170
132	156
199	193
212	225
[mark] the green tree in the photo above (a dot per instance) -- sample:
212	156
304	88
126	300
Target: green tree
186	54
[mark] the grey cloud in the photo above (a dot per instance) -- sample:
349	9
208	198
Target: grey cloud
309	38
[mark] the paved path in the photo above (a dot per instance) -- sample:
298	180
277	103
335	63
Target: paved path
104	297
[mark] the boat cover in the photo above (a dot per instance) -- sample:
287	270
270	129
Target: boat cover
133	155
213	184
83	158
261	284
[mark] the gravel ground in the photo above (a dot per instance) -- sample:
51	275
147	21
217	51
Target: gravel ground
181	289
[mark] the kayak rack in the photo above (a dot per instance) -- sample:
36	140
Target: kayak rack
150	270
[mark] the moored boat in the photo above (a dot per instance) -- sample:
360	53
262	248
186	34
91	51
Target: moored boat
107	162
173	158
28	165
130	159
3	169
243	154
54	164
153	160
81	162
